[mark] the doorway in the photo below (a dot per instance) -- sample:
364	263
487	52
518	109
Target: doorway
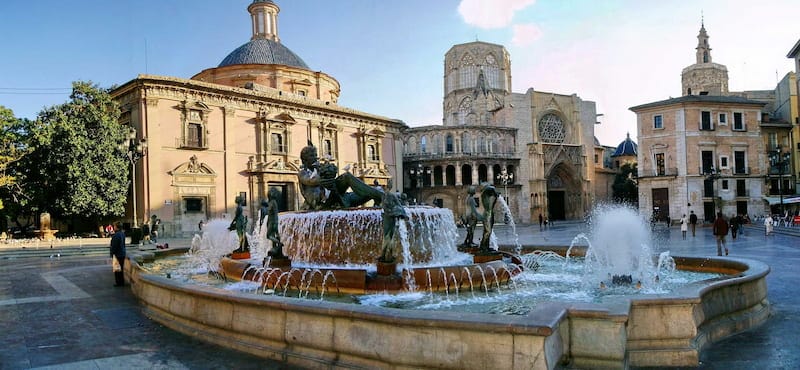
556	205
661	204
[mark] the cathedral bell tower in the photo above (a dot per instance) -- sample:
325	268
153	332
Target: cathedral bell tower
704	77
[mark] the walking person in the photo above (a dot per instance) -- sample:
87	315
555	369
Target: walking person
720	231
734	226
541	222
118	254
693	222
768	224
684	226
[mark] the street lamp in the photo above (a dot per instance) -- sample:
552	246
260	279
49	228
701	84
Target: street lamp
134	150
505	178
418	173
779	159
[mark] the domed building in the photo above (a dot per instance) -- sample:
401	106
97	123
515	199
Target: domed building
626	152
237	130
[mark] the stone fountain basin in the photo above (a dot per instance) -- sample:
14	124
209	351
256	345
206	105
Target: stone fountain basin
359	281
654	330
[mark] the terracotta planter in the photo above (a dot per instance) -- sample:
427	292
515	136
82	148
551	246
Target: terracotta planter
482	258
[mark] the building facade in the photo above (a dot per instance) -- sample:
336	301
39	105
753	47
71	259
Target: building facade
535	147
237	130
708	150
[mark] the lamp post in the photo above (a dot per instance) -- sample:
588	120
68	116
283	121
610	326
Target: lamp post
134	150
505	178
779	159
713	175
418	173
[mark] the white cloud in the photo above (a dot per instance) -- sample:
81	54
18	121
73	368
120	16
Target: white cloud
491	13
525	34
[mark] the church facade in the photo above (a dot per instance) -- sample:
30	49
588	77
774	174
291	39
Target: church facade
237	130
536	147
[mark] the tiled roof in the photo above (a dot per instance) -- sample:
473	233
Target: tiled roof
263	51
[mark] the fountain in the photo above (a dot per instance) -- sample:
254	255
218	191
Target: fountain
625	317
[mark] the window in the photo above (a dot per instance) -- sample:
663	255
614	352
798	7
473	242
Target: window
739	164
193	204
705	121
277	143
194	135
707	158
772	141
301	92
596	159
194	119
660	165
738	121
723	119
724	184
371	153
658	121
723	162
423	144
449	143
327	148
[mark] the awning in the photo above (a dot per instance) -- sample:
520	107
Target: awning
786	200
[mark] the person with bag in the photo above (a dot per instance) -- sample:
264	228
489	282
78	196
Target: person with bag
720	231
118	254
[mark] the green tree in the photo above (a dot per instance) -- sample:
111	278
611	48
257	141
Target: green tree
75	168
625	189
12	148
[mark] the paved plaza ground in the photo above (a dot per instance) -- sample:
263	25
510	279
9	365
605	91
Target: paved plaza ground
63	313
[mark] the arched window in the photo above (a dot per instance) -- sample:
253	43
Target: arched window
483	174
551	129
496	172
466	174
423	144
449	143
466	143
412	145
437	176
437	142
450	176
511	173
481	144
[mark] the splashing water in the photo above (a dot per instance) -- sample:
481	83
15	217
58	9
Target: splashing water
510	218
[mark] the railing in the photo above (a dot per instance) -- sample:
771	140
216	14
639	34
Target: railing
422	156
742	192
190	143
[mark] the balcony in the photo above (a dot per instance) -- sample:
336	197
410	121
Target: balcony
426	156
190	143
743	193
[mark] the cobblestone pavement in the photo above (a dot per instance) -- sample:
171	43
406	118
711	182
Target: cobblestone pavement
64	313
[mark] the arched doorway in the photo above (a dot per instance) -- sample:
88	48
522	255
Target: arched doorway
564	193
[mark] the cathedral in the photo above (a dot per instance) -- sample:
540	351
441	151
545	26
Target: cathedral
236	130
535	147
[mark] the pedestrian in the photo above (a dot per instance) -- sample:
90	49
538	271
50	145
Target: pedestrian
546	222
117	253
734	226
200	225
768	224
693	221
684	226
155	224
541	222
146	232
720	231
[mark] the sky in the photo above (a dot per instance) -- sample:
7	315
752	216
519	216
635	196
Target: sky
388	54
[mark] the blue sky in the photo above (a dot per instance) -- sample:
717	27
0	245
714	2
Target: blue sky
388	54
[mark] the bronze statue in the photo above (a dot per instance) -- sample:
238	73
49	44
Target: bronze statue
488	199
392	210
272	225
323	189
263	211
239	224
471	218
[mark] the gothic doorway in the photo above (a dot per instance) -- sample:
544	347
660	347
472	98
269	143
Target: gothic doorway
564	199
555	205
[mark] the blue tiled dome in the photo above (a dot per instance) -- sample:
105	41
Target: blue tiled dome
625	148
263	51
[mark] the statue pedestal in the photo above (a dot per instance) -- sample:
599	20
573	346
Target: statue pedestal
483	258
46	235
280	262
240	255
